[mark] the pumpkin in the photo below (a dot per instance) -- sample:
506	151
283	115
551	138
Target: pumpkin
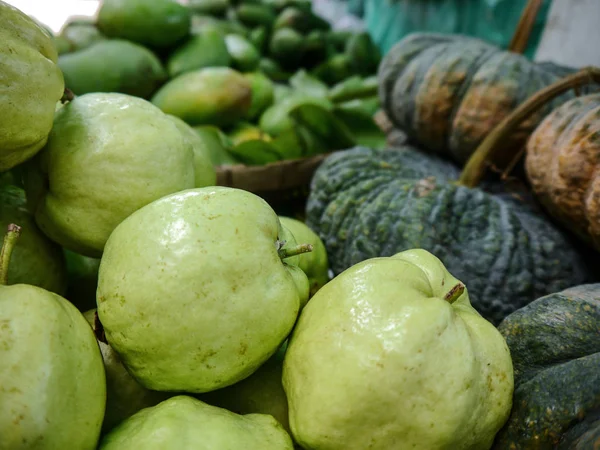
555	345
448	91
563	166
562	162
368	203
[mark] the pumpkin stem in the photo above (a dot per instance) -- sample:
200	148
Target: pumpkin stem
454	293
476	165
10	239
519	41
297	250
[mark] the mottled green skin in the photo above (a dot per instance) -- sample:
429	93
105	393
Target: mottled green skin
448	91
366	203
36	260
52	383
555	346
30	85
113	65
156	23
184	423
583	436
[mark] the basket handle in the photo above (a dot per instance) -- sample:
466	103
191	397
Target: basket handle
519	41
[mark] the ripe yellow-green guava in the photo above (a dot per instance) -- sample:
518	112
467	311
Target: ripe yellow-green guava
108	155
30	85
183	422
390	355
52	383
197	290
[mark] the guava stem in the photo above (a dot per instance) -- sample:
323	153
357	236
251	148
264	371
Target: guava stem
297	250
68	96
454	293
10	239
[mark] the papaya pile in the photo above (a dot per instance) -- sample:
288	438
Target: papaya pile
259	81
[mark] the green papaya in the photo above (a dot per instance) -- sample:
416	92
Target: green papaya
245	57
259	36
156	24
273	70
62	45
276	119
217	145
113	65
206	48
254	15
315	49
263	94
339	38
82	275
286	47
80	35
217	96
364	56
36	260
300	20
209	7
201	23
31	86
334	70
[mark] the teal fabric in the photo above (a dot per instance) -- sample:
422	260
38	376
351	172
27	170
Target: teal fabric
495	21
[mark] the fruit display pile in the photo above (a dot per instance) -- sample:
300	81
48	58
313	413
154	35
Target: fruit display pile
259	81
423	303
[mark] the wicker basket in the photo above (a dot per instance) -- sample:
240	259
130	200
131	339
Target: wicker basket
279	182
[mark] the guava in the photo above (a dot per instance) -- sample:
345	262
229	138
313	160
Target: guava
52	383
108	155
183	422
390	354
314	264
30	85
197	289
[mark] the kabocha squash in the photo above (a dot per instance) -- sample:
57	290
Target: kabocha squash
448	91
366	203
555	346
561	163
563	167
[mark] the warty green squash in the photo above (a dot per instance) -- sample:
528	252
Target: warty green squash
447	92
367	203
555	346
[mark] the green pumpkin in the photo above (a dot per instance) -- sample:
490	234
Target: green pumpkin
449	91
366	203
555	346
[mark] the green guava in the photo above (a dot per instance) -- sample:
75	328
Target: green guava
195	290
30	85
108	155
390	354
184	422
